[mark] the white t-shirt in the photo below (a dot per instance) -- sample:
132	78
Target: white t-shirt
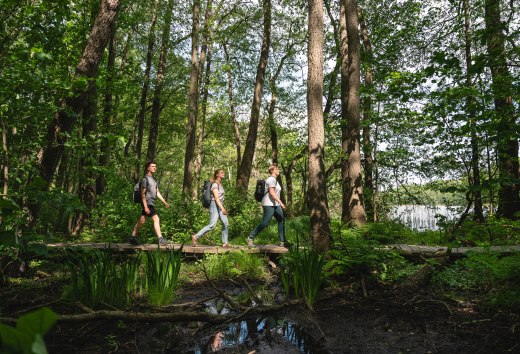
267	200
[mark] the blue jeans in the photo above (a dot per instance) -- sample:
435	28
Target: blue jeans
269	212
214	214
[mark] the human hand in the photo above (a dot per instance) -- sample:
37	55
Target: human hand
166	204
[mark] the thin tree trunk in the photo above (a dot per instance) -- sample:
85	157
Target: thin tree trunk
353	184
507	129
475	184
5	160
232	113
106	147
343	49
191	129
87	181
319	209
368	164
50	155
205	56
141	115
337	66
159	83
246	164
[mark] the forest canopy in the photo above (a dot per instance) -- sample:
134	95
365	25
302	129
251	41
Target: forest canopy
363	104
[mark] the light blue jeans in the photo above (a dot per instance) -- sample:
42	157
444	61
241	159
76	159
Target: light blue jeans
214	214
269	212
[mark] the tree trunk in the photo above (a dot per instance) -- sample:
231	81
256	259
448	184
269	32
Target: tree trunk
205	56
5	160
475	185
159	83
343	49
246	164
232	105
319	209
191	129
353	180
62	123
87	162
334	74
141	115
507	129
106	147
368	164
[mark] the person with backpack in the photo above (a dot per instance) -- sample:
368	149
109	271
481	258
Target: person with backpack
216	209
149	192
272	205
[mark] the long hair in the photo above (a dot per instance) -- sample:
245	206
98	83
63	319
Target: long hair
215	175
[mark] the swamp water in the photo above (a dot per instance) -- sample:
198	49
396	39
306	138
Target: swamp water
265	334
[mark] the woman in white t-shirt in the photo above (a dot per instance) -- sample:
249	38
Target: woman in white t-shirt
272	205
216	210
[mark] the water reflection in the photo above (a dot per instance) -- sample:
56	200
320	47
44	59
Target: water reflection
276	334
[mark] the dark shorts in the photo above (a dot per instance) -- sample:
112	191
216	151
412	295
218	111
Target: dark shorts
152	211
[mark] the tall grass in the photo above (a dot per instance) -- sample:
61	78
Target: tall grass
162	274
96	278
302	272
234	265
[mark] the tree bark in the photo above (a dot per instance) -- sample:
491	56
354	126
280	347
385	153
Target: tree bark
105	148
232	112
246	164
507	128
141	115
191	128
159	83
475	185
368	165
62	123
353	179
205	57
319	209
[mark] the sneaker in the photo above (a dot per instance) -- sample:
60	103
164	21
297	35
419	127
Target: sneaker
162	241
226	245
282	244
194	240
133	241
249	242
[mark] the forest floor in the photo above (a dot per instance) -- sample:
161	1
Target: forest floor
385	321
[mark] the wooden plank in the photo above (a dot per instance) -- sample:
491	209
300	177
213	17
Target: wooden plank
187	249
436	251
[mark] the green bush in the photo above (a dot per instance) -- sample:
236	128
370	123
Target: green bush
234	265
162	273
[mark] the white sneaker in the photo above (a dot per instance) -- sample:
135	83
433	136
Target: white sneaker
249	242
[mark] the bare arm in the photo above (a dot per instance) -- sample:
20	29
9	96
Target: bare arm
159	195
273	195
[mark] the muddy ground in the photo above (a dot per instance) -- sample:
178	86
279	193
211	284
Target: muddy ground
387	321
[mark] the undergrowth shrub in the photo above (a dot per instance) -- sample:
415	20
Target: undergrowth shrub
234	265
495	279
302	273
354	254
162	273
98	278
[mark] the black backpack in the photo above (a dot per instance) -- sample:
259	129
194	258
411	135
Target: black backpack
137	191
260	190
205	194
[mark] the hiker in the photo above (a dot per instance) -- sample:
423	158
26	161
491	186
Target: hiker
149	191
272	206
216	210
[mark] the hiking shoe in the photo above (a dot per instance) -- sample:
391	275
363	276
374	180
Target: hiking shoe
282	244
249	242
162	241
133	241
194	240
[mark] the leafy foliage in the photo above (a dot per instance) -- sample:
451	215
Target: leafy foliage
162	273
27	336
233	265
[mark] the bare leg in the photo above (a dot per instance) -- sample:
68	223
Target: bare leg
138	225
156	225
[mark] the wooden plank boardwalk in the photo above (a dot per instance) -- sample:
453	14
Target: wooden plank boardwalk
439	251
187	249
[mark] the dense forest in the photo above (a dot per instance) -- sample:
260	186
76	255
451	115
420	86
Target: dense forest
364	105
356	106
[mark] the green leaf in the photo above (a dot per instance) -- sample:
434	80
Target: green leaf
38	346
37	322
15	341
